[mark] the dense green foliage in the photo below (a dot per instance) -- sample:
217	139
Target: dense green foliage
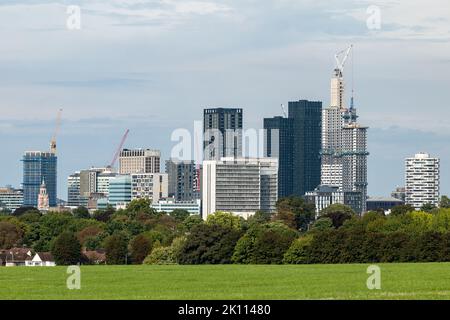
139	234
66	249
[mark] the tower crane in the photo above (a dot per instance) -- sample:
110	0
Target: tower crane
122	142
341	63
55	133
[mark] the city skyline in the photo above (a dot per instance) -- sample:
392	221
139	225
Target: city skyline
166	81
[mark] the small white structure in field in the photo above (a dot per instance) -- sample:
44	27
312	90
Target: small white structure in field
41	259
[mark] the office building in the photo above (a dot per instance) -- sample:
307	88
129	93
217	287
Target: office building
85	187
37	167
422	180
324	196
239	185
307	131
184	180
222	130
10	198
278	143
139	161
120	191
399	193
73	191
153	186
170	204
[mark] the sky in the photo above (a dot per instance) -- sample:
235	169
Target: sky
151	66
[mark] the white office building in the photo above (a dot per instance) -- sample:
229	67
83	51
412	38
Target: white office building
422	180
153	186
10	198
239	185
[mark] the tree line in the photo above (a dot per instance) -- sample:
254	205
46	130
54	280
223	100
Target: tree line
292	235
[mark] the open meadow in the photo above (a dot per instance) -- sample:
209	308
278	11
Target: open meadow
278	282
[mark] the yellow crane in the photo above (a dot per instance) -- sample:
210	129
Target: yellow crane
58	125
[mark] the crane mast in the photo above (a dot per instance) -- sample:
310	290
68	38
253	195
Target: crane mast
55	134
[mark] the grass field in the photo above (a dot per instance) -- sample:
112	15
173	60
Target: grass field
398	281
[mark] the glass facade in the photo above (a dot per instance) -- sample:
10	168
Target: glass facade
38	167
120	190
279	139
307	127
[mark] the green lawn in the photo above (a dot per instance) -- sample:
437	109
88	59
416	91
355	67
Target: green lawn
399	281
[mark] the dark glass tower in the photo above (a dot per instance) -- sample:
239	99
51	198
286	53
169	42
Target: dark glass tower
38	167
307	128
279	139
222	129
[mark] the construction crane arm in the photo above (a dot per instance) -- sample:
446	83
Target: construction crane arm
122	142
340	64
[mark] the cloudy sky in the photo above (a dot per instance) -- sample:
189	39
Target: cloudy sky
152	66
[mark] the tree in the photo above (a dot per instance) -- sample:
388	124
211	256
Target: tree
88	233
444	203
140	247
322	224
10	235
209	244
298	251
180	215
166	255
140	206
303	213
338	213
81	213
264	244
401	209
224	219
22	210
104	215
191	222
116	247
428	207
66	249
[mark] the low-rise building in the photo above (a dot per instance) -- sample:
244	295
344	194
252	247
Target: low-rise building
324	196
383	203
41	259
170	204
10	198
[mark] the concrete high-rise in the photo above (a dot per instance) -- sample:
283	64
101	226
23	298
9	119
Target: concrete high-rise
344	143
222	130
422	180
39	166
139	161
239	185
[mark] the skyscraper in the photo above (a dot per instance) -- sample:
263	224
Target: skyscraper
279	140
307	130
222	129
422	180
37	167
344	142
